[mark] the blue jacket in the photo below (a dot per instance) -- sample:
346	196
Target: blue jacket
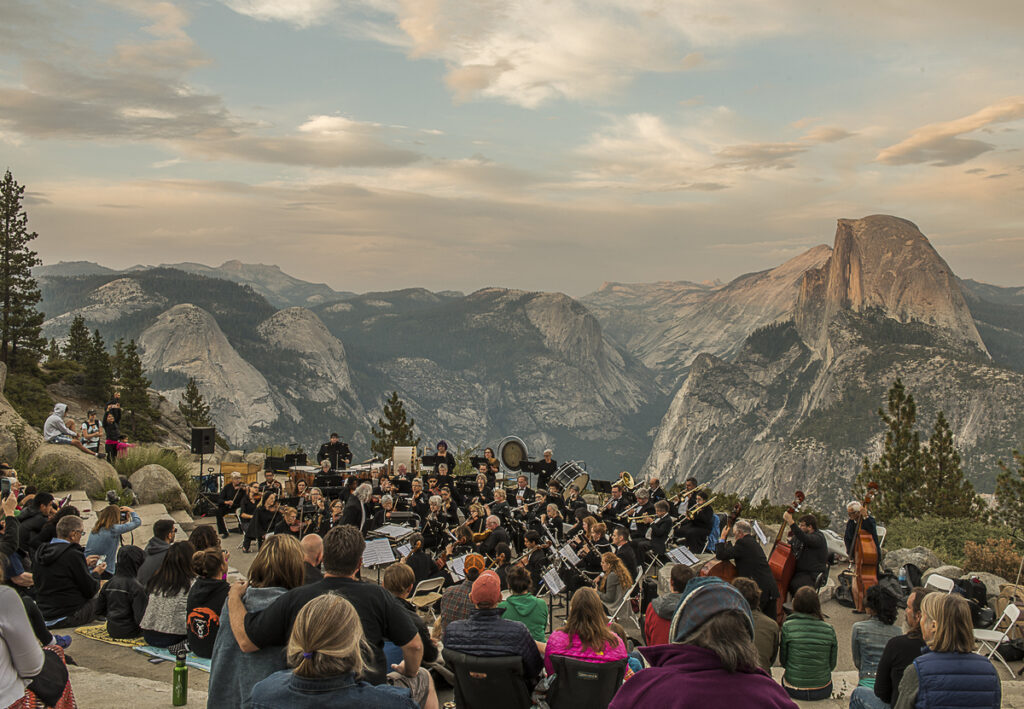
867	641
106	541
284	689
487	634
956	679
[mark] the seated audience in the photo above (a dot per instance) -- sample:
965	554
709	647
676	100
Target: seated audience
205	600
455	602
163	624
49	528
106	534
486	634
325	652
711	660
399	580
807	649
163	536
56	431
122	600
901	651
312	556
766	630
66	581
660	610
32	518
868	641
585	635
21	656
952	674
523	606
204	537
277	568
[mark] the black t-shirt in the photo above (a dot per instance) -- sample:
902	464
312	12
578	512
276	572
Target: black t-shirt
380	613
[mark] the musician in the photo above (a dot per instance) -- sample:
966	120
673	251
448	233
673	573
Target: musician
432	487
596	545
552	521
554	497
231	496
580	530
750	561
546	468
502	556
348	487
492	462
661	527
268	514
337	513
444	457
492	472
522	494
496	536
325	467
622	549
422	564
533	515
270	483
499	507
419	502
335	451
477	518
615	506
574	502
536	557
463	543
811	549
319	516
657	492
697	526
449	510
643	508
289	522
383	515
433	524
247	512
688	498
484	490
356	508
857	513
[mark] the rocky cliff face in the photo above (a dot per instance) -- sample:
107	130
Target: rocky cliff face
187	340
108	303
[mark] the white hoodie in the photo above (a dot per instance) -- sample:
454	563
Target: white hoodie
54	424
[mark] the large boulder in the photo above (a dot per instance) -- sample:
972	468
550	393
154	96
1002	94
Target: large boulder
947	570
920	557
14	430
233	457
156	484
257	458
991	581
85	471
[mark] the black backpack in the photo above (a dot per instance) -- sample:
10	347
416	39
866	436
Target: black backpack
910	577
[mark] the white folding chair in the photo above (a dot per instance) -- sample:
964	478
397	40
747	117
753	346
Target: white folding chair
880	531
425	595
991	639
939	583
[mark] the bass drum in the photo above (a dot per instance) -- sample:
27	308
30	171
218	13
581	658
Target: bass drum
571	473
512	453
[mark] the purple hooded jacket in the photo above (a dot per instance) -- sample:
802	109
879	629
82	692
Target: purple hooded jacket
685	676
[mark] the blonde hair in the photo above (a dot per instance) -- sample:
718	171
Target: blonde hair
107	518
499	494
951	614
327	639
278	563
617	568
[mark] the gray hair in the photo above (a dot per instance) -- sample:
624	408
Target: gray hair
743	526
364	492
493	518
386	498
442	467
548	451
69	524
853	506
434	500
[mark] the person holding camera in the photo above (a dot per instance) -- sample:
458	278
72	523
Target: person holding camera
111	523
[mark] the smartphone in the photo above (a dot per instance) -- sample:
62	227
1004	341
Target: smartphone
102	559
5	488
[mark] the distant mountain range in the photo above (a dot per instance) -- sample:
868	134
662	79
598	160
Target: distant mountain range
766	382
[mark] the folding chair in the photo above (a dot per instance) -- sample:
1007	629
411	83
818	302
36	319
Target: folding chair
991	639
494	682
425	595
584	684
940	583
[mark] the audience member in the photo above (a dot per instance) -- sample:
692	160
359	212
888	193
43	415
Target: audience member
325	652
49	528
122	600
486	634
21	657
807	649
399	580
277	568
711	660
106	534
33	517
205	600
952	674
523	606
455	602
163	536
766	630
660	610
163	624
204	537
585	635
312	556
56	431
868	641
901	651
66	581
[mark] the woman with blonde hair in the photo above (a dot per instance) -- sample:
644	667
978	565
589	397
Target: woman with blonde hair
613	583
325	652
585	635
952	674
277	568
106	534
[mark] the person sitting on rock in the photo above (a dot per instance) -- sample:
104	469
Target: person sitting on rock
56	431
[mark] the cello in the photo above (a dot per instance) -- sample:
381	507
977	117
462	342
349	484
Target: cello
725	570
864	553
782	560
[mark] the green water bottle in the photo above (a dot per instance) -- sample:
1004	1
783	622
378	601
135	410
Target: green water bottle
179	689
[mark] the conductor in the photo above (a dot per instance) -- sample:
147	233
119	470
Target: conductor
336	452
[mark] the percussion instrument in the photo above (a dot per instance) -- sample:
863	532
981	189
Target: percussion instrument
570	473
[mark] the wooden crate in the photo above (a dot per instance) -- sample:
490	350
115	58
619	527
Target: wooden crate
250	471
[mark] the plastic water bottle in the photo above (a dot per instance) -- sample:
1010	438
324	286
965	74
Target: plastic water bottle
179	686
903	576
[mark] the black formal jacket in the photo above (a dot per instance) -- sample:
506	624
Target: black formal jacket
751	562
661	528
812	550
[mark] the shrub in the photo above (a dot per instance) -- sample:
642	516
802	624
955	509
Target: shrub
132	459
996	556
946	537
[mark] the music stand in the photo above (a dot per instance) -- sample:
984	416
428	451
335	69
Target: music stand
476	461
430	461
604	486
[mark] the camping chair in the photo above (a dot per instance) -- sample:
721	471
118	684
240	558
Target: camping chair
492	682
584	684
940	583
991	639
426	594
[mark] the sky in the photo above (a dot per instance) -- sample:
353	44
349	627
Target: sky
536	144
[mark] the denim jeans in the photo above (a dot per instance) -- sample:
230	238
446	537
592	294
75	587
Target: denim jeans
864	698
810	695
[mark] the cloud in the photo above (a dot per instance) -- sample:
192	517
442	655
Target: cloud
826	134
941	144
758	156
302	13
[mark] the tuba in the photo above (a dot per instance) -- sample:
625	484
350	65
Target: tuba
625	480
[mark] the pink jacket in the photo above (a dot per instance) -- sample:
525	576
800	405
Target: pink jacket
560	644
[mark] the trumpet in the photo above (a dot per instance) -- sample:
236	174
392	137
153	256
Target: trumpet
639	517
679	495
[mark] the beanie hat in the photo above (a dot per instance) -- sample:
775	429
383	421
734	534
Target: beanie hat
486	590
703	598
474	561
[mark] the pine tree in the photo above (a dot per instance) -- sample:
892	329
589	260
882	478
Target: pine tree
21	342
78	346
898	471
945	493
1010	492
395	429
134	393
193	406
99	378
53	352
117	359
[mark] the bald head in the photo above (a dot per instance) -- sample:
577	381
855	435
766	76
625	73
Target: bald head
312	548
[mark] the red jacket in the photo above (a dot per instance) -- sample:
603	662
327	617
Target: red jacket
658	618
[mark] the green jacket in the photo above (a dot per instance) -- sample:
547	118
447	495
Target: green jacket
528	610
808	650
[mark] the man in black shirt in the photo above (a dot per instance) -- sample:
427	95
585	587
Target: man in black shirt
270	484
811	550
901	651
615	506
335	451
497	536
381	616
750	561
545	469
231	497
661	527
620	540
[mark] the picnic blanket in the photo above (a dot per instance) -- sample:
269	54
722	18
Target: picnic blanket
192	660
99	632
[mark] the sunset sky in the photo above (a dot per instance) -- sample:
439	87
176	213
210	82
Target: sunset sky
544	145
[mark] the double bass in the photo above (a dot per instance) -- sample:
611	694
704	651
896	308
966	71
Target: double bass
864	552
725	570
782	559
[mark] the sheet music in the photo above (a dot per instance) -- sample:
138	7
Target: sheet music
404	551
759	533
553	581
569	555
457	567
377	552
682	555
394	531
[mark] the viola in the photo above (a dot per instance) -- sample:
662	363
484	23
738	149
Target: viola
782	559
